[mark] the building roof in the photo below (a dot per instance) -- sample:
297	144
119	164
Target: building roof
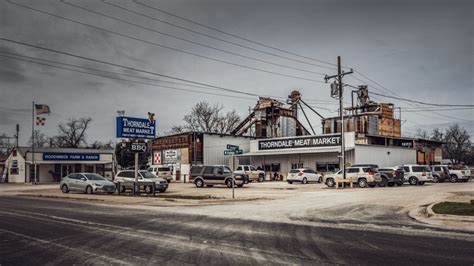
202	132
24	150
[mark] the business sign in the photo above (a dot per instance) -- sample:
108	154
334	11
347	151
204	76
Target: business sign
171	156
137	128
232	152
61	156
232	147
301	142
157	157
137	146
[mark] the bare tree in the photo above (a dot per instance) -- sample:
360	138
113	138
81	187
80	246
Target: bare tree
72	134
437	135
109	145
208	118
422	134
457	143
40	139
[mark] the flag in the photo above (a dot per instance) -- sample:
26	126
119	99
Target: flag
40	121
42	109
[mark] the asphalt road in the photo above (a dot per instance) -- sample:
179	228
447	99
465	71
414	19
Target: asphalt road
37	231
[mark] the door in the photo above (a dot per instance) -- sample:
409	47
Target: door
72	181
352	173
81	182
208	174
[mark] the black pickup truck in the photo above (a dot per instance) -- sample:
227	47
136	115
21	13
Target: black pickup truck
391	176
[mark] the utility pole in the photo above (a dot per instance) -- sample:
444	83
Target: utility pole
337	91
17	135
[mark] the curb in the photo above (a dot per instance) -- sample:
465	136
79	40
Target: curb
425	214
461	218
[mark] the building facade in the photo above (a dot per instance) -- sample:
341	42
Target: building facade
50	164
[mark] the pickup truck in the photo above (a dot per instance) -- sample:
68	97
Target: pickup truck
251	172
458	175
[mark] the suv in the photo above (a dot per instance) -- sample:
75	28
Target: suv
362	176
127	177
440	173
391	176
210	175
252	173
303	175
417	174
162	171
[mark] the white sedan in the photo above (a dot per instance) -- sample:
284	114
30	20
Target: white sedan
303	175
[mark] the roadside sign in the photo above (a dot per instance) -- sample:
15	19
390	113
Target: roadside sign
137	146
132	127
233	152
232	147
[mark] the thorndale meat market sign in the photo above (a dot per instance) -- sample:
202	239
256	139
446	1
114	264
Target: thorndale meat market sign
300	142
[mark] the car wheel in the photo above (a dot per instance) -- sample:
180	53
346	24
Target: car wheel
400	183
228	182
330	182
435	179
148	189
362	182
453	179
260	178
320	179
199	183
304	181
413	181
383	183
421	183
290	182
65	189
89	190
391	184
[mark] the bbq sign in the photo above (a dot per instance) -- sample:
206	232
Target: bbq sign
302	142
137	128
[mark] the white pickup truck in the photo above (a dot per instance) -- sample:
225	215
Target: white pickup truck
458	175
251	172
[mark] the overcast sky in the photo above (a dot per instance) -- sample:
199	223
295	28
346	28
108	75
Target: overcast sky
421	50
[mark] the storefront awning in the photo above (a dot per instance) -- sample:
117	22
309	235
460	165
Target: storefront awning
69	162
293	151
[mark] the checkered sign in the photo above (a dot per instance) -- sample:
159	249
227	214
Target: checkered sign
157	158
40	121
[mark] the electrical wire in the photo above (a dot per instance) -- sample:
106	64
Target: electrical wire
213	37
232	35
164	46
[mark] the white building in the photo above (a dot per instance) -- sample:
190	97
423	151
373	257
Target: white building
54	163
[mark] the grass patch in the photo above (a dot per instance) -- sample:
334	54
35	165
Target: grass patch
454	208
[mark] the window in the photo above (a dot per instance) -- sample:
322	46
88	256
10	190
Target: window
227	170
352	170
327	167
370	169
418	169
146	174
129	174
164	169
207	171
216	170
294	171
406	169
196	170
239	168
296	165
252	168
438	169
94	177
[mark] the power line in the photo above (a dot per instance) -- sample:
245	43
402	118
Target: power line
164	46
424	103
127	80
407	110
213	37
125	67
233	35
189	41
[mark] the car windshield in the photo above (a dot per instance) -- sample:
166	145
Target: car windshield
146	174
94	177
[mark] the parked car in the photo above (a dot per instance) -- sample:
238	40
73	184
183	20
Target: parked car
461	174
303	175
127	179
417	174
86	182
362	176
210	175
391	176
440	173
252	173
162	171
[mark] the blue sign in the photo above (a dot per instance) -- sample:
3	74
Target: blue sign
60	156
135	128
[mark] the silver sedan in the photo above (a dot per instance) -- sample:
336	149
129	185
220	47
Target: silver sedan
86	182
